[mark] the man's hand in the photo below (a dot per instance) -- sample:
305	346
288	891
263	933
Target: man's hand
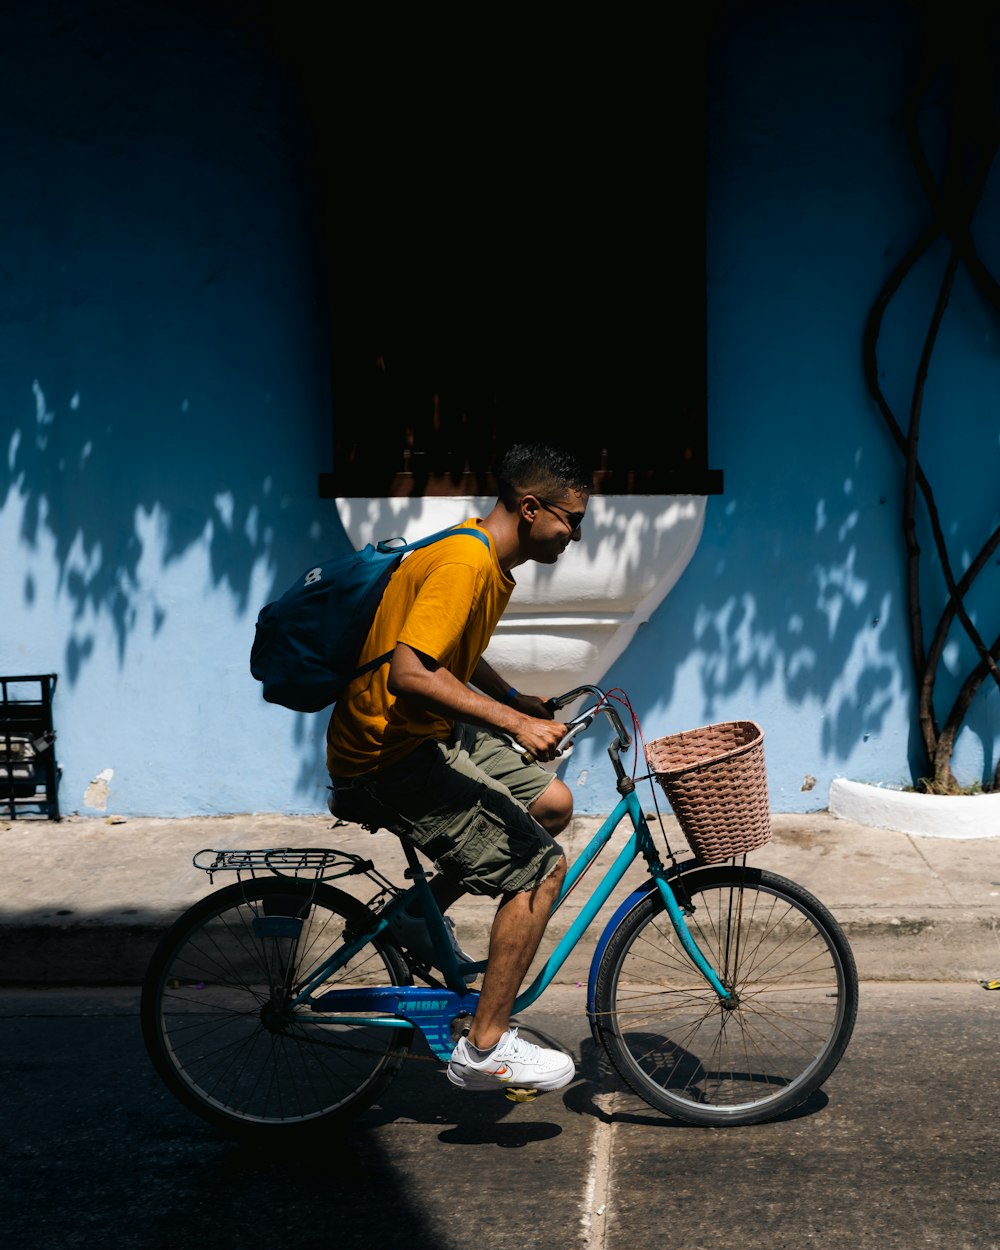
532	705
540	738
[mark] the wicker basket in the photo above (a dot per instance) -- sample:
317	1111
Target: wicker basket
715	781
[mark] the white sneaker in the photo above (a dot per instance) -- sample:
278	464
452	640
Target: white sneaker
412	932
511	1062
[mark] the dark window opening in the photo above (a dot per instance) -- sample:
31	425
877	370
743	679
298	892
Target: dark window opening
515	250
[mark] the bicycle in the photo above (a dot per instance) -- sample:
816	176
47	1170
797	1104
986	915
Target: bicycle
722	994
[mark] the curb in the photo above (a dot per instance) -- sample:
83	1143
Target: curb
95	896
944	948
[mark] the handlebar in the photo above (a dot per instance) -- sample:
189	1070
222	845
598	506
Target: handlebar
583	720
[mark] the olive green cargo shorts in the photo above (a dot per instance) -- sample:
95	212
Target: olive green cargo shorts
462	803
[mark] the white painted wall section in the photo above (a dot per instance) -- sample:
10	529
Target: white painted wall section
567	623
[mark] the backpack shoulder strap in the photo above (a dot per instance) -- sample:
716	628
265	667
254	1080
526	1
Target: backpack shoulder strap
396	546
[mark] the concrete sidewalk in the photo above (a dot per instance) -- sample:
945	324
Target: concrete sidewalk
85	899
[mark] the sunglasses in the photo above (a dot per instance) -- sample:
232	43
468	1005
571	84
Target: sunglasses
573	519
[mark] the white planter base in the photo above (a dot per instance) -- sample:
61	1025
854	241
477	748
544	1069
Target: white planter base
929	815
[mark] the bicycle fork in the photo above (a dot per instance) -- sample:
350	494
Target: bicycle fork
641	843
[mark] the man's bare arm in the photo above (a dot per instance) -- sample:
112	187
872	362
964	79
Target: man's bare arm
489	681
421	679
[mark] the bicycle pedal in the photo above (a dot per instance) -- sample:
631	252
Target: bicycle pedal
990	985
520	1095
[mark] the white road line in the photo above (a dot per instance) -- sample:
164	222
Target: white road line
596	1190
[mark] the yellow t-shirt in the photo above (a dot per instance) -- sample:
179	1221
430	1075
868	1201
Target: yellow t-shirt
444	600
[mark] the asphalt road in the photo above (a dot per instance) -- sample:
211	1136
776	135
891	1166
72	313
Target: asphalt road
900	1150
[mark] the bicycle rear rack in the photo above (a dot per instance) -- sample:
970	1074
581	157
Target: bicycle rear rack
313	863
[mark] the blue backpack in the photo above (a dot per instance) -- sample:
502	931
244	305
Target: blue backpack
307	643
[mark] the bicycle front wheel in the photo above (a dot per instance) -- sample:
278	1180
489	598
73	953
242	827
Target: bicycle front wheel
794	998
217	1014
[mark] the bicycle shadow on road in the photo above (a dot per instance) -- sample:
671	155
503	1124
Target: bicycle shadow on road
607	1098
421	1095
597	1093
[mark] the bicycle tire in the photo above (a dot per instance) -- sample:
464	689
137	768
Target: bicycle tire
214	1012
792	973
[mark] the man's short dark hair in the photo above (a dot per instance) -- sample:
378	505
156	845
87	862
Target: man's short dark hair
542	467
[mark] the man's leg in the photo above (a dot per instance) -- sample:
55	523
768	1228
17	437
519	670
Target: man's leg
553	809
514	940
492	1055
517	859
445	893
523	913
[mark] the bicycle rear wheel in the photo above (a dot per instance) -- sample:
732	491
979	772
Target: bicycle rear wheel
217	1020
794	989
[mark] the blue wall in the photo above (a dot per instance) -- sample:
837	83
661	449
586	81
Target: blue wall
165	398
793	611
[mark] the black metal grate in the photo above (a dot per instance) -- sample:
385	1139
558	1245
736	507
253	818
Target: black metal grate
29	775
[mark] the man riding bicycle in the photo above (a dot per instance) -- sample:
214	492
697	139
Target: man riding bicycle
416	747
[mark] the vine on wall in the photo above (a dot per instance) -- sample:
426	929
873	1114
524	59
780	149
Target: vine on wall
959	66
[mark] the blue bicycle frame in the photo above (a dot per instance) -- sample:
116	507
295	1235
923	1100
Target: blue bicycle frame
431	1009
